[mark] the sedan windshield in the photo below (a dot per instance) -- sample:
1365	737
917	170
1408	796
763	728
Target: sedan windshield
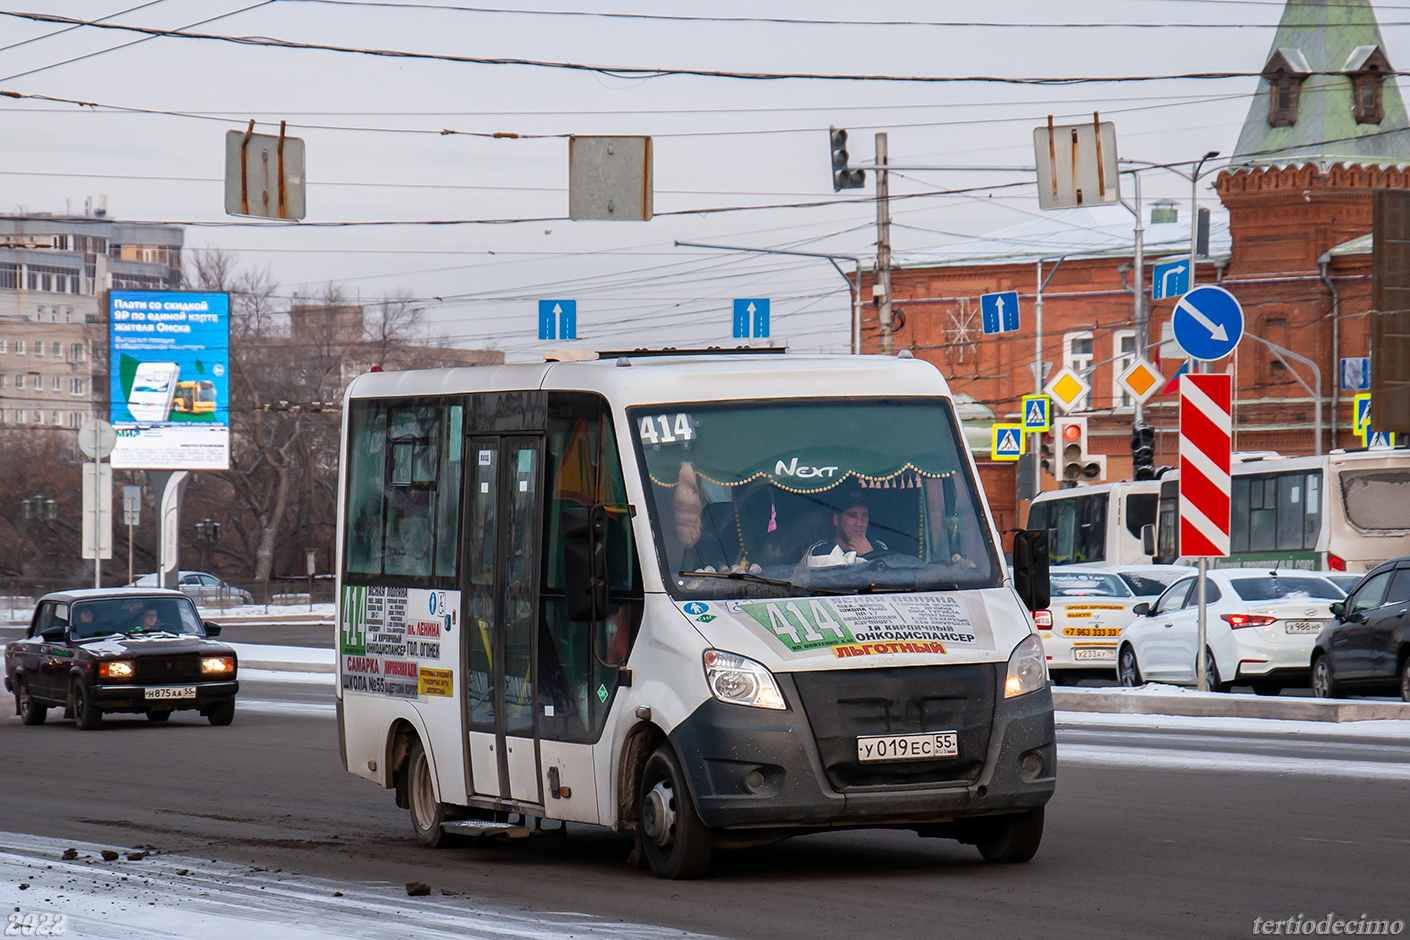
826	497
1088	585
1277	588
134	616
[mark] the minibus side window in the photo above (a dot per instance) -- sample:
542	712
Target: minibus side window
404	479
580	663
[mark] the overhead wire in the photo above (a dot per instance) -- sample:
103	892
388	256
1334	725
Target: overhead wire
103	24
642	71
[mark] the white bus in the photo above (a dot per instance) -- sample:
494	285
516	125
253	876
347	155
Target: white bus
1097	525
1344	511
716	600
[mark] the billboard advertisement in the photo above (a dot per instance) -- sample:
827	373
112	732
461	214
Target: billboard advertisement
169	363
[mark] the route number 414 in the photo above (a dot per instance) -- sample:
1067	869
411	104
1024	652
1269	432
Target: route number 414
35	925
667	429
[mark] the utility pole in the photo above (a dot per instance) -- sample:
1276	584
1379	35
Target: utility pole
1142	326
883	244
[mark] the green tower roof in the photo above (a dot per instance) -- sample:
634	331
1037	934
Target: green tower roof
1331	36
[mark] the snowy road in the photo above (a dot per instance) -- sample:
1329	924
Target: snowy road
1160	827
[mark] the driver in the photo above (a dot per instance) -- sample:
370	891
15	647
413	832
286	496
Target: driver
146	621
849	543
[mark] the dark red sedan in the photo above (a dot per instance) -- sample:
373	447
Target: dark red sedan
144	651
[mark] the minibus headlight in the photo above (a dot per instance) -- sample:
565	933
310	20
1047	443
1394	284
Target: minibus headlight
741	681
1027	668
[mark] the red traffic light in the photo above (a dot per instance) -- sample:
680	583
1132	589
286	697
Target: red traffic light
1071	432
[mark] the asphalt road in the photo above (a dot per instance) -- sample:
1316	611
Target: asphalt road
1130	850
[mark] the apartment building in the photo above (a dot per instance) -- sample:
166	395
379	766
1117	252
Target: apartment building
54	272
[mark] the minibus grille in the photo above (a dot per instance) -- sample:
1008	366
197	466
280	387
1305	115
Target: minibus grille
843	705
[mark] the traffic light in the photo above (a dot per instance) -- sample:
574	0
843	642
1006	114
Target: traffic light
1077	464
1143	452
843	176
1045	453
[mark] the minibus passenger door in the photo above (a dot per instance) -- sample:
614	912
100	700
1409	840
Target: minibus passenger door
502	542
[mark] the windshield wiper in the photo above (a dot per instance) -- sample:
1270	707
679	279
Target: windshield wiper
760	579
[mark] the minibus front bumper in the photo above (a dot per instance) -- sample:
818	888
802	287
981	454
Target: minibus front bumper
758	768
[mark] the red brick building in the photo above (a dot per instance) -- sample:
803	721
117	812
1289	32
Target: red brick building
1324	131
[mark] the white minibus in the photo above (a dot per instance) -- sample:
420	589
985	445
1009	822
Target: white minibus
712	599
1097	525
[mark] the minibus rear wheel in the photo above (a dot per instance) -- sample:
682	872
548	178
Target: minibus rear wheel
426	813
676	843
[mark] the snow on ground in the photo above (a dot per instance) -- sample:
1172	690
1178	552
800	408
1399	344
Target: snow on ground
271	611
298	657
1147	758
1377	730
173	896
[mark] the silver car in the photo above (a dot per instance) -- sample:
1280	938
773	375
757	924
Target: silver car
205	589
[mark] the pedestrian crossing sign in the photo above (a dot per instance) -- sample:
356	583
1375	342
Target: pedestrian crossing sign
1377	440
1361	413
1037	413
1006	442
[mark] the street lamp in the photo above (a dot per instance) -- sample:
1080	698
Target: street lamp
207	533
40	507
1194	210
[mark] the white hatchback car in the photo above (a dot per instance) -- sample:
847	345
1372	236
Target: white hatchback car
1089	607
1261	626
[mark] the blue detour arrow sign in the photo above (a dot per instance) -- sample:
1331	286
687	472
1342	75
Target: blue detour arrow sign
1170	280
1208	323
999	312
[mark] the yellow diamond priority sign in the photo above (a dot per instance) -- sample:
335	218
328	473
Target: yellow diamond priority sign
1141	380
1066	389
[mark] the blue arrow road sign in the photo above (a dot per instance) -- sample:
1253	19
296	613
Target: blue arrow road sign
1356	374
751	314
558	319
1170	280
1037	412
999	312
1208	323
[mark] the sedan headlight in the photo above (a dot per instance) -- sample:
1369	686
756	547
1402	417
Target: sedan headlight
213	664
741	681
115	670
1027	668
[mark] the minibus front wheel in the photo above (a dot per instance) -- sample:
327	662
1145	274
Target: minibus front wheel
676	843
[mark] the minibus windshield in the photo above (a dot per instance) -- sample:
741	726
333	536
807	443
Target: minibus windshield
815	496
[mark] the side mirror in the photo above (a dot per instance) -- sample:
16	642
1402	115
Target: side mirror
212	629
1030	568
1148	539
1141	609
585	562
54	634
1338	609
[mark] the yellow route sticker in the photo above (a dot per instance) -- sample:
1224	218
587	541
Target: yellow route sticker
436	681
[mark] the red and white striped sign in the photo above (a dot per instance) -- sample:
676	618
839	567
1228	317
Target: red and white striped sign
1205	449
